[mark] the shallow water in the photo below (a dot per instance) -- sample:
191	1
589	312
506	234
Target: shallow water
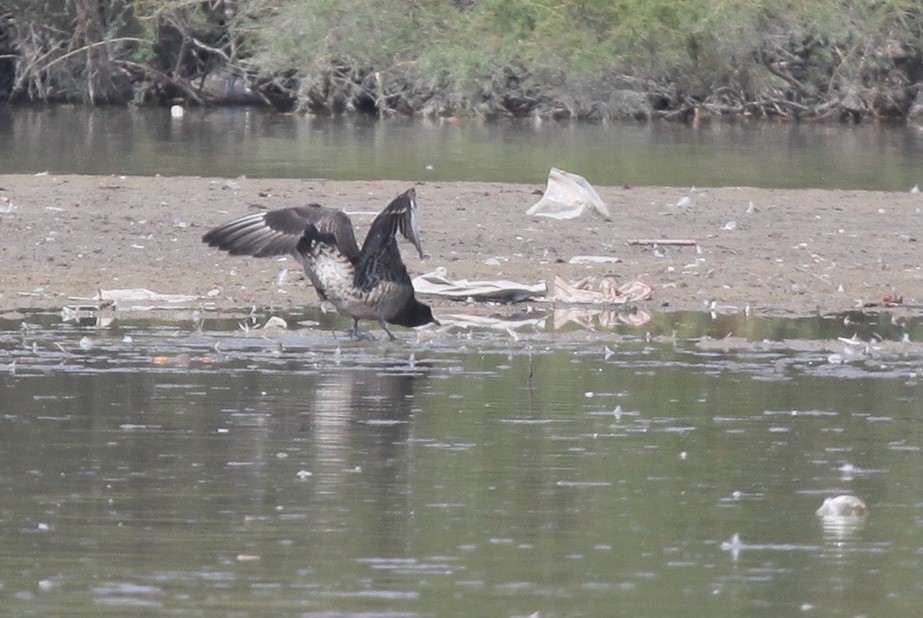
190	468
230	142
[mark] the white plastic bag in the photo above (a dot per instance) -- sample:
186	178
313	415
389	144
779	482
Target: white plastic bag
567	196
438	283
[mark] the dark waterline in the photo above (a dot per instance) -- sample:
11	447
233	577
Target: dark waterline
231	142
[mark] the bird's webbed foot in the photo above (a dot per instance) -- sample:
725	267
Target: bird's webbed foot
362	335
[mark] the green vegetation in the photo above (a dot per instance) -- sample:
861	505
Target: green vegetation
845	59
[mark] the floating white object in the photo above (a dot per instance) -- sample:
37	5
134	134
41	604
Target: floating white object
567	196
275	322
177	111
843	506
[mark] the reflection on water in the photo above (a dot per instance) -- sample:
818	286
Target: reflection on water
230	142
298	474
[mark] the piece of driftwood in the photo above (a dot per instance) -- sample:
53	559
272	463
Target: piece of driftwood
681	242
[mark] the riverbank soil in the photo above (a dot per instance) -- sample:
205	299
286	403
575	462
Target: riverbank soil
776	251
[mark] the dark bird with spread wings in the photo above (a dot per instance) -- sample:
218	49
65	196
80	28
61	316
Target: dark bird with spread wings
367	284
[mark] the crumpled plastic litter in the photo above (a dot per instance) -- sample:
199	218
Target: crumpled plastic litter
594	259
589	290
100	308
599	291
566	196
142	298
437	282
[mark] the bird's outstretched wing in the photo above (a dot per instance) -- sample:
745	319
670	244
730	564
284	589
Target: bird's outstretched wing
364	285
398	216
278	232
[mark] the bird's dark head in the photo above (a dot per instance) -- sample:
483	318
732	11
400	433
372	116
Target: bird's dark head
413	314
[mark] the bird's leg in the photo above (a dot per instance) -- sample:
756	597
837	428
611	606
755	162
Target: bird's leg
385	328
358	334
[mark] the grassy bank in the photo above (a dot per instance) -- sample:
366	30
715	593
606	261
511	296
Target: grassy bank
596	59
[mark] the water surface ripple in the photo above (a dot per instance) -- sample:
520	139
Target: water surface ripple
194	469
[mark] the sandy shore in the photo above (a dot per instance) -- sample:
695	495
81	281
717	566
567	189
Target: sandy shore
794	251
